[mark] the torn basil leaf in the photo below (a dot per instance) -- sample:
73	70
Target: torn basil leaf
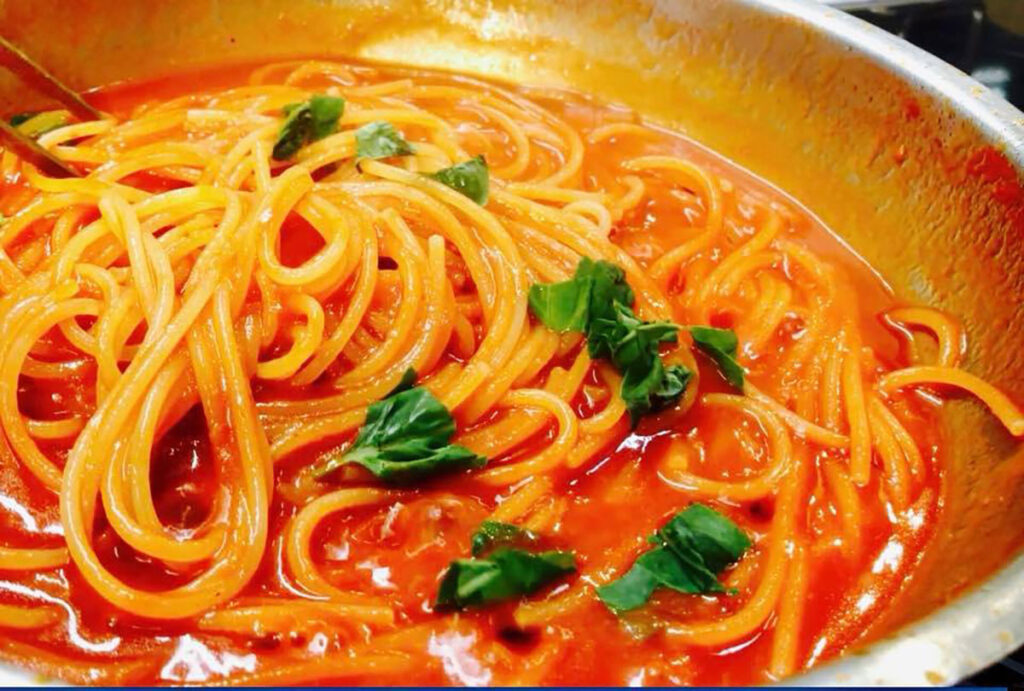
406	438
589	295
562	306
492	534
504	574
407	381
307	122
653	569
689	553
632	346
720	345
625	339
658	388
597	301
380	140
469	178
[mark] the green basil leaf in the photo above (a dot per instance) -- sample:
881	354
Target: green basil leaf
690	551
702	531
507	573
672	386
420	461
596	301
307	122
405	383
469	178
380	139
654	568
625	340
610	287
561	306
720	345
590	294
405	439
327	111
632	346
410	416
648	388
464	580
492	534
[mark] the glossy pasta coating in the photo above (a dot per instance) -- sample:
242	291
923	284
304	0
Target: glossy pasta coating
193	326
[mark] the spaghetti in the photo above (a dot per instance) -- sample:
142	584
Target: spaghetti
191	326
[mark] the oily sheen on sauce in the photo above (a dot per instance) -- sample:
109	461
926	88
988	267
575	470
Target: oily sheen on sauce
195	327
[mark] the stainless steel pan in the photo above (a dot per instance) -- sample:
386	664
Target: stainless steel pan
913	163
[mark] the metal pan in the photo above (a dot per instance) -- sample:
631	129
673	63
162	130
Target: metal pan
914	164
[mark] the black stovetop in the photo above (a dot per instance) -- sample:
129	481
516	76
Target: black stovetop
965	34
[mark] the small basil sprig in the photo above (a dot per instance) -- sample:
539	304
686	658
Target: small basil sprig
591	294
720	345
596	301
405	439
380	140
499	571
690	550
632	347
469	178
492	534
506	573
307	122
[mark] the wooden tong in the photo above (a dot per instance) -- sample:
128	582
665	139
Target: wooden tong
34	75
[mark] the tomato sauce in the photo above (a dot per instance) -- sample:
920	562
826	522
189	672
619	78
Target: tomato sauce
399	551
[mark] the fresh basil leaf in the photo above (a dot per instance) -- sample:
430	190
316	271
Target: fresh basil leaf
469	178
407	381
307	122
690	550
465	580
639	384
380	139
632	346
405	439
590	294
561	306
422	462
672	386
496	533
391	422
326	111
652	387
654	568
702	531
597	302
610	287
35	125
720	345
625	339
507	573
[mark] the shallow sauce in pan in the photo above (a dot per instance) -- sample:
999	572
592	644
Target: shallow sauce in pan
396	551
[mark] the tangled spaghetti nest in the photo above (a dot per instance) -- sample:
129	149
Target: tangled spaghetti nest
167	278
